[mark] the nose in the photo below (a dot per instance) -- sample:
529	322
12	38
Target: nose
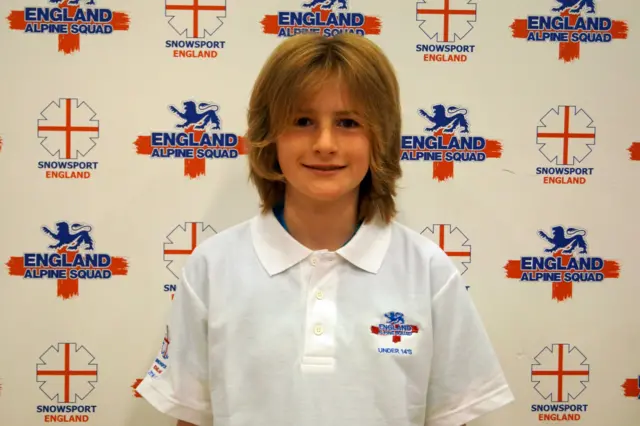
325	141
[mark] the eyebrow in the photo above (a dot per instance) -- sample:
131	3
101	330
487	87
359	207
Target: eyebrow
343	112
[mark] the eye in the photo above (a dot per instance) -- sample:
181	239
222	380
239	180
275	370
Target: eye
302	121
348	123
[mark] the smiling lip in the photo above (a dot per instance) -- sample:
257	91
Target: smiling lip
324	167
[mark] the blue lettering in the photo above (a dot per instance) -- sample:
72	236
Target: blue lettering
47	15
30	14
66	260
314	19
559	407
66	408
563	23
422	142
535	263
183	139
194	44
446	48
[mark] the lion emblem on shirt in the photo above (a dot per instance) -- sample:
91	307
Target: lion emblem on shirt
71	237
448	120
200	116
394	317
575	6
326	4
568	241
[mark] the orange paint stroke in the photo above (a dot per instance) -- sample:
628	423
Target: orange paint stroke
493	149
243	145
619	30
519	28
634	151
134	386
631	388
143	145
569	51
443	170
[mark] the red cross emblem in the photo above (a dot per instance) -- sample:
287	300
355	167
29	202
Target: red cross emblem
68	128
566	135
196	8
75	380
552	365
447	12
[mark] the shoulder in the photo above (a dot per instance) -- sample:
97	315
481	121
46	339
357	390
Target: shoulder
210	256
223	243
421	255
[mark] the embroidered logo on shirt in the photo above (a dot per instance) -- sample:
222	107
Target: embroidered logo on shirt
393	324
159	364
165	345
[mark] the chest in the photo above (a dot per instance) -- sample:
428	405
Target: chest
322	312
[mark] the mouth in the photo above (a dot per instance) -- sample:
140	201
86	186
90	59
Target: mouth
324	167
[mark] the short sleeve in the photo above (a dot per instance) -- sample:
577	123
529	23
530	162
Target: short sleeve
466	379
177	383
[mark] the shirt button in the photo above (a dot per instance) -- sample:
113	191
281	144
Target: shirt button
314	261
319	295
318	330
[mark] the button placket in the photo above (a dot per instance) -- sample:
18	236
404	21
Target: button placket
320	317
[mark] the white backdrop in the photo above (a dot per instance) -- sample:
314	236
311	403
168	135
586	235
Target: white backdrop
146	213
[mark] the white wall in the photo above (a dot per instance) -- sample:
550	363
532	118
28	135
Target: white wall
128	79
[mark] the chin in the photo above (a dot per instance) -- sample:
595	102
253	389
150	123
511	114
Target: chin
328	195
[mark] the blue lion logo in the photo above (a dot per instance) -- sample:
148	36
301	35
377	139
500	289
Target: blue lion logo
448	120
568	241
201	116
575	6
394	317
71	237
73	2
326	4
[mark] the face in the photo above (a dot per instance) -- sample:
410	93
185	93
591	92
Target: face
324	154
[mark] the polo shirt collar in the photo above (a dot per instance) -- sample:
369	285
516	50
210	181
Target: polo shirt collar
278	251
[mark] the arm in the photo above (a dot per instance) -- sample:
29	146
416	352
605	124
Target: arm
466	380
177	383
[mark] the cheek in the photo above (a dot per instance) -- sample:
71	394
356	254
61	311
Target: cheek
360	154
285	154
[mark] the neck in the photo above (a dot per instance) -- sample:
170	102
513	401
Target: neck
319	226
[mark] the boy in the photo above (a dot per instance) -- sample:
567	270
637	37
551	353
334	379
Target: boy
322	310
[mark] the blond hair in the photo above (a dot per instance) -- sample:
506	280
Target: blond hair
297	69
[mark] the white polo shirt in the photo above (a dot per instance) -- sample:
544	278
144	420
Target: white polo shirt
264	331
